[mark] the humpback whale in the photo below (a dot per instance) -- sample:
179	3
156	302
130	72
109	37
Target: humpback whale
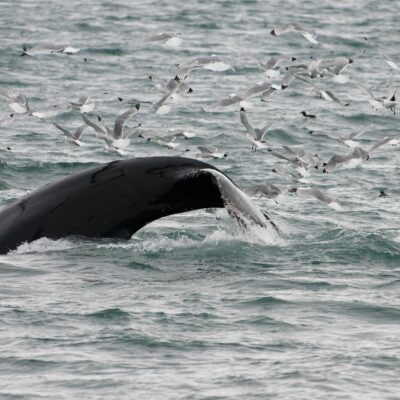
118	198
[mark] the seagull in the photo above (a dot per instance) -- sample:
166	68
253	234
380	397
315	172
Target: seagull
301	161
255	135
170	85
389	61
159	105
264	89
265	189
324	94
82	105
179	132
389	102
212	63
383	194
49	49
309	34
345	138
167	141
333	67
320	67
211	152
158	83
292	73
269	92
296	174
317	194
259	88
74	136
271	67
114	138
231	99
356	157
293	159
308	160
307	115
274	61
387	139
172	135
147	135
168	39
18	103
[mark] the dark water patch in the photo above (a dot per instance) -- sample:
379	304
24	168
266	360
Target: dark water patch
26	365
249	282
110	314
394	284
16	311
21	175
365	118
4	185
201	315
142	266
87	27
183	343
185	322
264	302
121	18
375	247
283	135
33	166
371	312
346	247
265	322
381	362
61	322
334	235
209	25
15	270
142	341
314	286
11	396
110	51
101	382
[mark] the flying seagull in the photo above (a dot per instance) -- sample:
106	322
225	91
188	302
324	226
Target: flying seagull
255	135
317	194
389	61
309	34
168	39
115	138
72	136
49	49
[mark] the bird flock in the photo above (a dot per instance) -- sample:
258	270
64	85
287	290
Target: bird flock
279	73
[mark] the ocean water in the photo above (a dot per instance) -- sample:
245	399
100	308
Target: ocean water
191	307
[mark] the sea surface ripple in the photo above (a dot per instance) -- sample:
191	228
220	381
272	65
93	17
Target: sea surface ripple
190	308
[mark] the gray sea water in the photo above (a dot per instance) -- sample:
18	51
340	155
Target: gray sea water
190	307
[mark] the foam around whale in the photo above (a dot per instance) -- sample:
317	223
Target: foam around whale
117	199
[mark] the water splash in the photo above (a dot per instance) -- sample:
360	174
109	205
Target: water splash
44	245
238	204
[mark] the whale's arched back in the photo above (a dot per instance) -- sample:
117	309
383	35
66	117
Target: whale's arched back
111	200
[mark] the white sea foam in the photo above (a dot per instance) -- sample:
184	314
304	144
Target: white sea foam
253	234
45	245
